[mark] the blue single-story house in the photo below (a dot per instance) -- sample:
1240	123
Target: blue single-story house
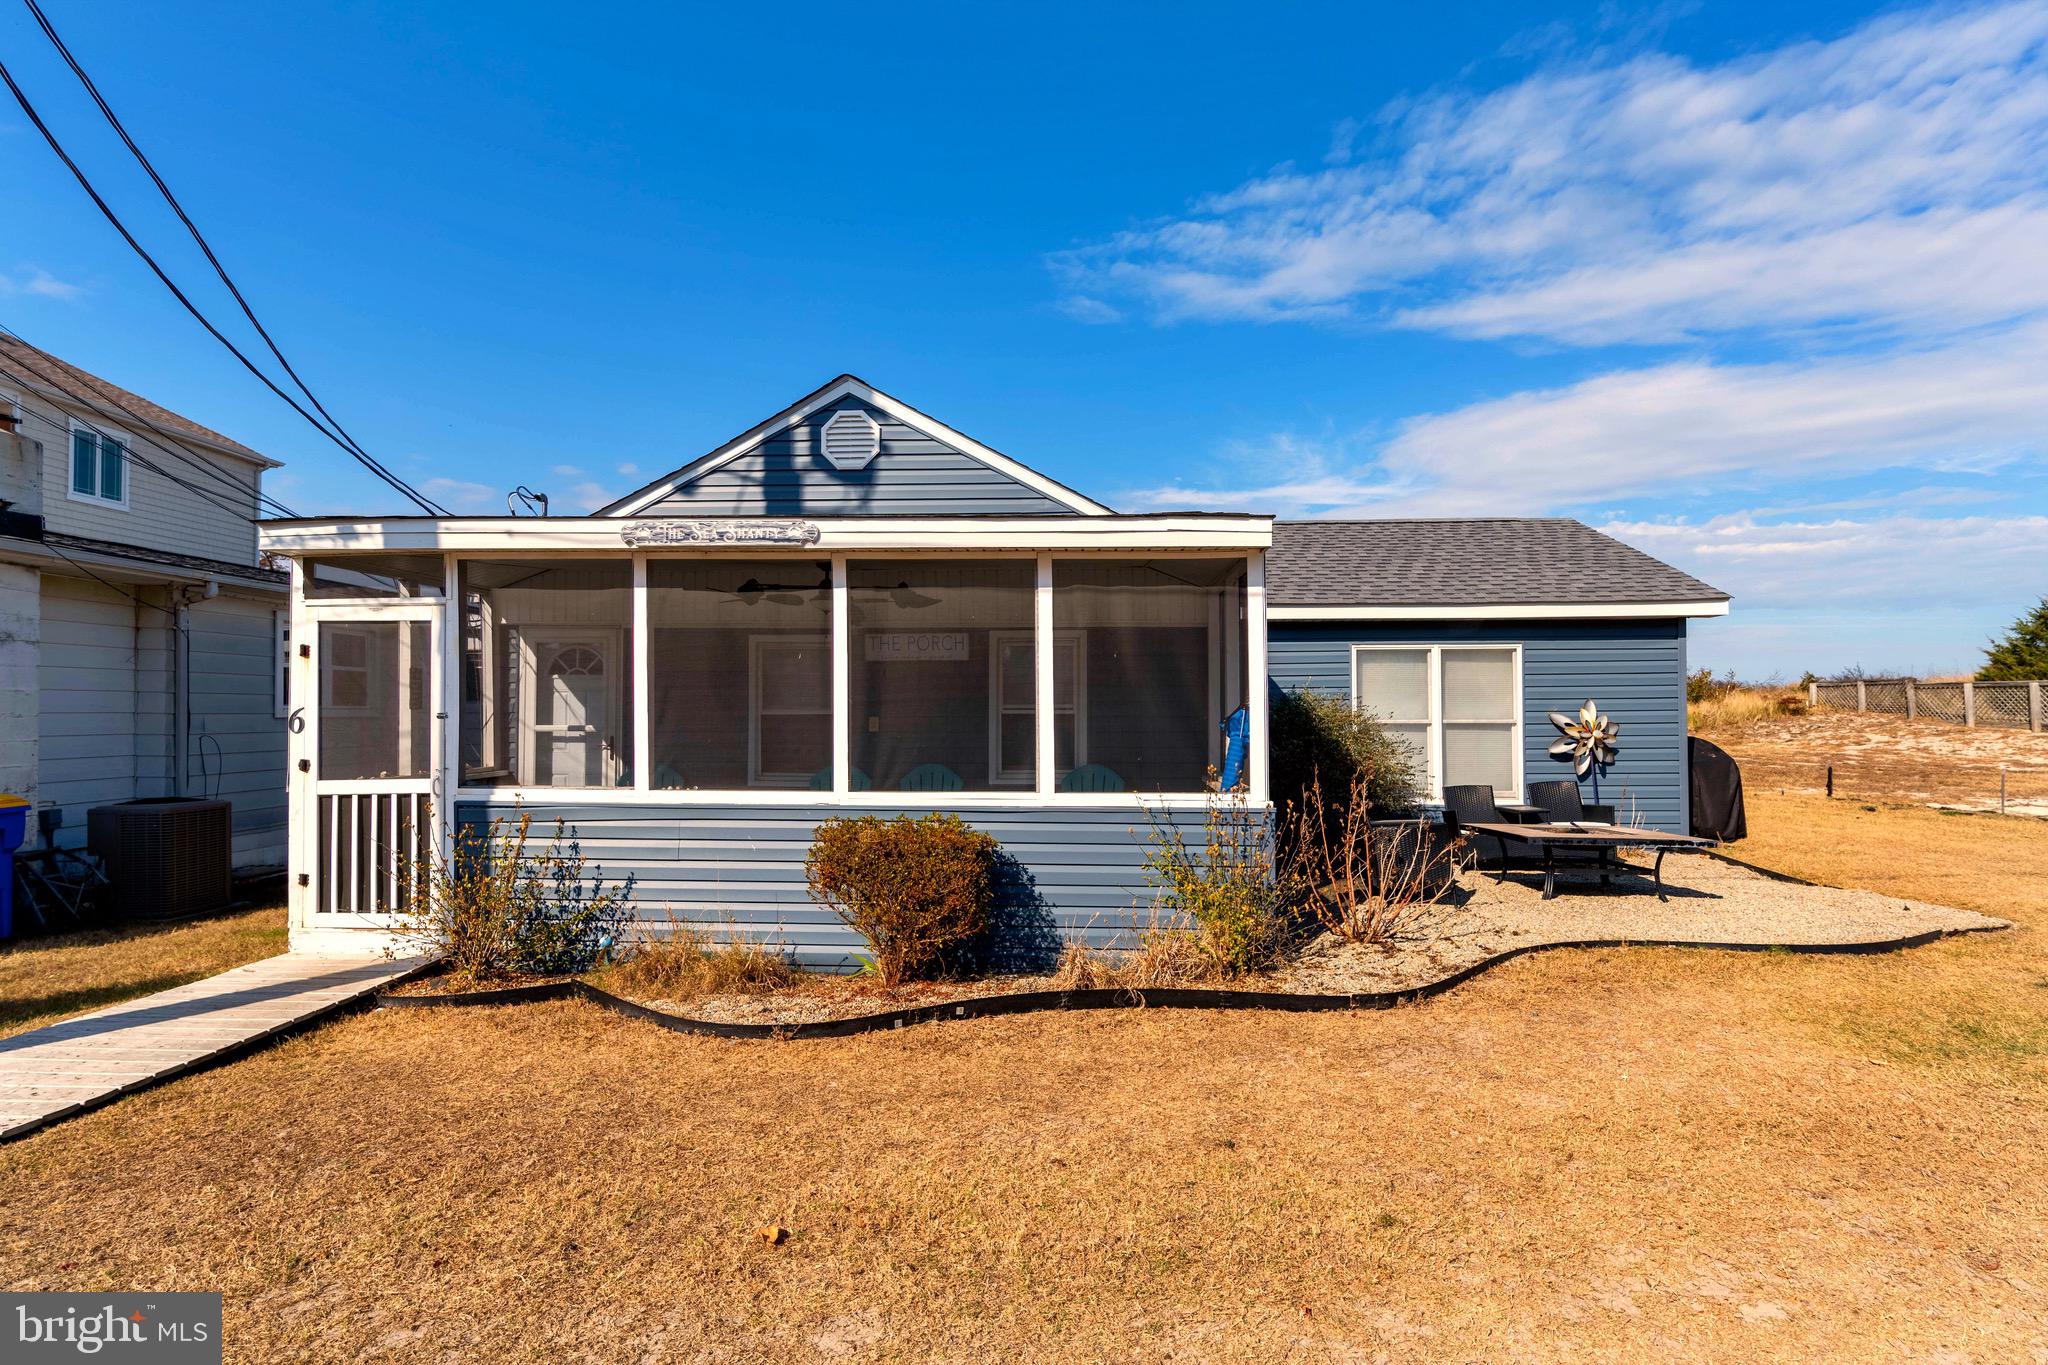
852	607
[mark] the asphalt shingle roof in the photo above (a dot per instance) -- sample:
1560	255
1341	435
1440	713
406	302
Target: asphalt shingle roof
1479	561
60	379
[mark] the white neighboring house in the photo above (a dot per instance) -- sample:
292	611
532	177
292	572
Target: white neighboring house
141	640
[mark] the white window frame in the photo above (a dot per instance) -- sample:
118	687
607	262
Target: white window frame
280	663
329	667
998	775
757	645
1434	779
122	441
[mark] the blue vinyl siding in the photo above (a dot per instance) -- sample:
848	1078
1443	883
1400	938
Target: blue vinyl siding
1077	873
1634	669
784	476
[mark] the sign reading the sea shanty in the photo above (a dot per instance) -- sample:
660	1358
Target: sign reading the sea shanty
718	532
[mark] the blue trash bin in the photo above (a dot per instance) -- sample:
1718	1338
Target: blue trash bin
13	829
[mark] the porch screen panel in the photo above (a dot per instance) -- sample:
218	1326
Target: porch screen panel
375	575
376	720
942	652
1161	659
547	677
740	673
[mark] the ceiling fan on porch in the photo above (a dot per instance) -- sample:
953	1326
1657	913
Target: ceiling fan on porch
788	594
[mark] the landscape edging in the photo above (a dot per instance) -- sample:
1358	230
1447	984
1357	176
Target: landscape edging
1028	1002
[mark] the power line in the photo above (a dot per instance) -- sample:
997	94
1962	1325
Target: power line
164	189
418	499
164	439
128	451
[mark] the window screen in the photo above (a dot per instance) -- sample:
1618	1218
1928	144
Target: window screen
931	641
375	575
740	673
1159	663
375	716
550	646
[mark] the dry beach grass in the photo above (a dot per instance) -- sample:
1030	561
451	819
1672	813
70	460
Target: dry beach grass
1624	1154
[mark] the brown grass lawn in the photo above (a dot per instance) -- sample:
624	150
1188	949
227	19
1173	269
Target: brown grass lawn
45	979
1630	1154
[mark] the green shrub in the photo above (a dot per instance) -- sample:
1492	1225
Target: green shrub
1320	737
1228	892
495	911
913	888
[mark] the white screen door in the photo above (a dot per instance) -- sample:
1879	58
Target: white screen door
374	747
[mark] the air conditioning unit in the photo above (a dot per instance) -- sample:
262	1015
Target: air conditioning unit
167	857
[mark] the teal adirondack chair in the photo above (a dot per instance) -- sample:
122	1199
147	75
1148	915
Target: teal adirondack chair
857	781
1092	777
930	777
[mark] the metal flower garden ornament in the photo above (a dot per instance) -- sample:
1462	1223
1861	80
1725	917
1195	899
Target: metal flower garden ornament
1589	741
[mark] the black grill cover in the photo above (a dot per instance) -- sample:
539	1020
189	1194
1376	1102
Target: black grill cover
1716	793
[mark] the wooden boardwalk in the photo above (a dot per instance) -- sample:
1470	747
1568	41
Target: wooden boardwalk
65	1068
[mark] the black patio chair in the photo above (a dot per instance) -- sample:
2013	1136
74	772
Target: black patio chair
1475	805
1560	804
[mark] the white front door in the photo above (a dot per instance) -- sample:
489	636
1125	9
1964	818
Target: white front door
571	704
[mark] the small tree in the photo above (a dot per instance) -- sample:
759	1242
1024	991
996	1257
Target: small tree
2023	654
1321	738
1365	882
912	888
494	910
1229	892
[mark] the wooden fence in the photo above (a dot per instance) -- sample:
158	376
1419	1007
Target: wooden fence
2006	705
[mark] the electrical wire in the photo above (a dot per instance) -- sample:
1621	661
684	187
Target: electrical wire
134	457
164	189
407	490
260	500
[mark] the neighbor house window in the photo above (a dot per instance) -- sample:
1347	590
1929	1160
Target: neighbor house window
1158	668
1455	708
280	663
739	673
552	642
99	467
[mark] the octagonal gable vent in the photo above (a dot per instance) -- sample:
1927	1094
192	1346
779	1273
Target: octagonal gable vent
850	439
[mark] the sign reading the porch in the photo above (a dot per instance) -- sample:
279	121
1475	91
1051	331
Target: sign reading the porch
916	646
718	532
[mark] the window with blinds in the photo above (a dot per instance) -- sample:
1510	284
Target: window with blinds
1456	707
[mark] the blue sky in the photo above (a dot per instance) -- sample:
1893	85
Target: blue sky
1760	288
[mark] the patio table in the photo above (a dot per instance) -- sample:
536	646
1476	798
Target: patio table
1519	813
1607	840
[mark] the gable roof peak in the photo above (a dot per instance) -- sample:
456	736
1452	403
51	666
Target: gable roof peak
827	394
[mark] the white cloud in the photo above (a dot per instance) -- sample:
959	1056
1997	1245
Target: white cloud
629	470
1839	563
35	282
459	495
1896	177
1682	427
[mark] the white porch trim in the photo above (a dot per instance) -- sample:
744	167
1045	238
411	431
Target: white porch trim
1506	611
